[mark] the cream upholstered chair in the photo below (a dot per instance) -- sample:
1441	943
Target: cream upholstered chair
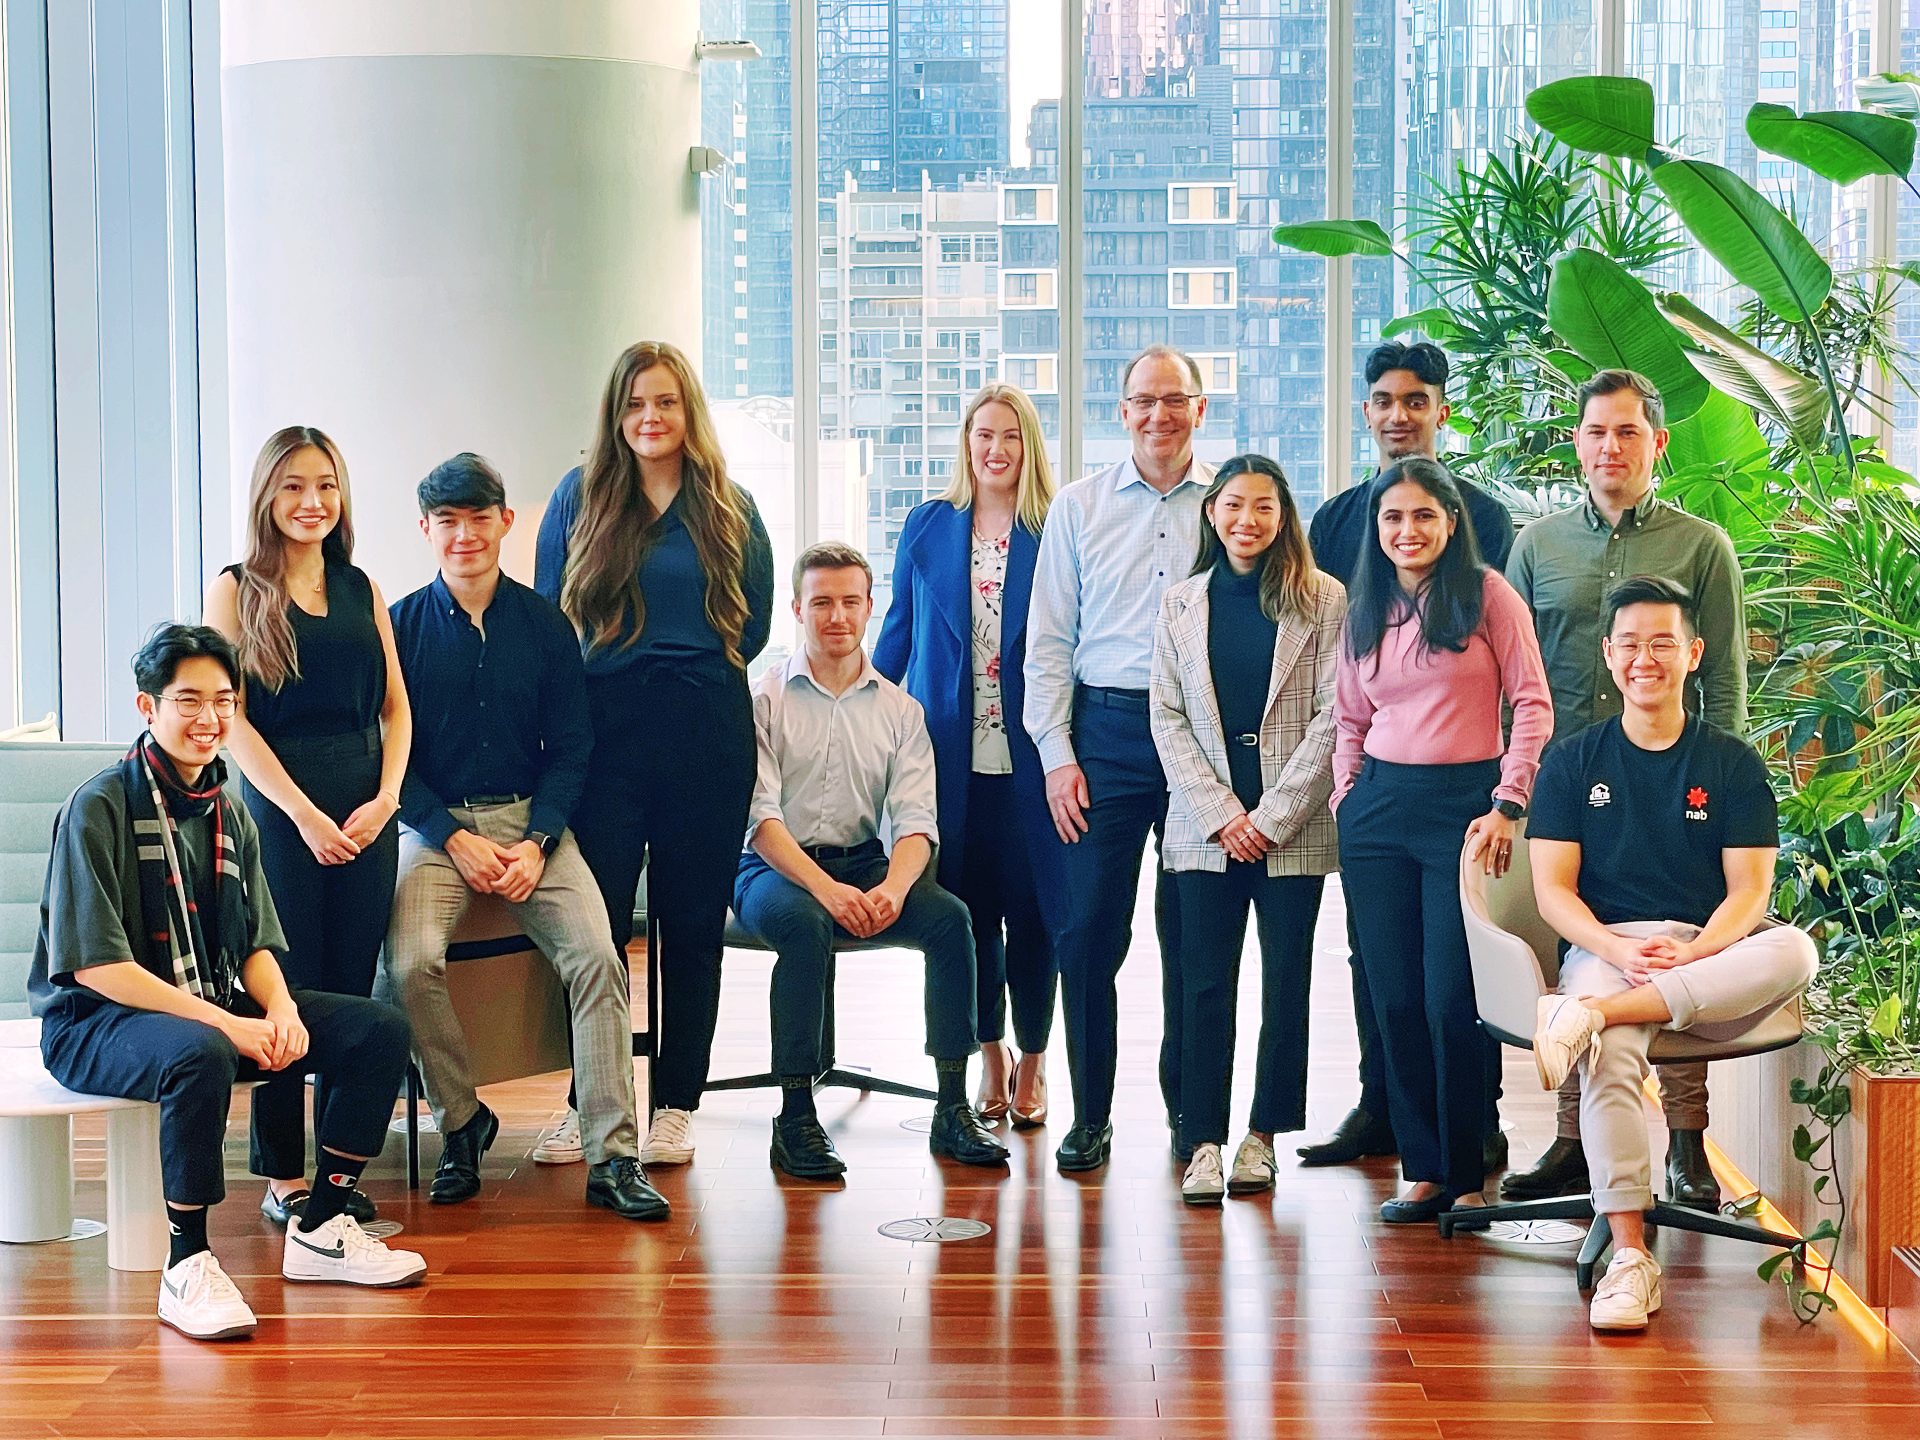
1516	959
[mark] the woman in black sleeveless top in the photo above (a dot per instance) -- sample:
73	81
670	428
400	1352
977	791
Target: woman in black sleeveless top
321	743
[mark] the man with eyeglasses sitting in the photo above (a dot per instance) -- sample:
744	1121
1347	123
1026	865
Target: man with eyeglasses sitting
156	976
1652	839
1113	544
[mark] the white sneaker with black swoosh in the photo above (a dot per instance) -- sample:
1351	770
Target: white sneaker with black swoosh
197	1299
344	1254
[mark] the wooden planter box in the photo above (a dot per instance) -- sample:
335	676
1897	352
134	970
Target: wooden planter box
1878	1151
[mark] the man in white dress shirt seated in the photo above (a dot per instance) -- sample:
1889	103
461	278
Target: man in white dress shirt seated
843	750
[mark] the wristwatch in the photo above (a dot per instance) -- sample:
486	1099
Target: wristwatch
1512	809
547	843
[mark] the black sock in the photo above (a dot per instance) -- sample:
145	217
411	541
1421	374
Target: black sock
796	1098
335	1177
186	1233
952	1082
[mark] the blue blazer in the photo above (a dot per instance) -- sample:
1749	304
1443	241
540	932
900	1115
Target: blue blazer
926	645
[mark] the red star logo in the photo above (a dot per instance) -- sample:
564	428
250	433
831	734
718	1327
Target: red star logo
1696	798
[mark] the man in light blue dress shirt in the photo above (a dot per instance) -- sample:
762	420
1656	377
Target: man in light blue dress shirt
1114	542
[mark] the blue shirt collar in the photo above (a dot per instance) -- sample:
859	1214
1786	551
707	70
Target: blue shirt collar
1129	474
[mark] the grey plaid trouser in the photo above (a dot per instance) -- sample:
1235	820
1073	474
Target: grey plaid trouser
566	920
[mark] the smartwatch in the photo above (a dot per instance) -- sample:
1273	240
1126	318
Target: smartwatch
547	843
1509	808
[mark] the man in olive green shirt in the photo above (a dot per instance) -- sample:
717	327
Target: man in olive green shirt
1562	564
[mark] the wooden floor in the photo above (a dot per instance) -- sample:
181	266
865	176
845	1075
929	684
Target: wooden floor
1096	1307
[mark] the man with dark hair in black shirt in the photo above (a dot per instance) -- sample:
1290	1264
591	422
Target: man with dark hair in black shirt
1652	837
501	737
1405	407
156	976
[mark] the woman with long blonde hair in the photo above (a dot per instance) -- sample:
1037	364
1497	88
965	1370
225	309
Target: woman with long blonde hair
321	741
955	637
662	563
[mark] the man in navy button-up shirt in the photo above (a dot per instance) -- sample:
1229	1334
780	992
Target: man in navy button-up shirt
498	764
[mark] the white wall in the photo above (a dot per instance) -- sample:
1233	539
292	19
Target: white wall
444	219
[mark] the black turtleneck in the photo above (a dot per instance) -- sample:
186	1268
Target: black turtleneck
1240	640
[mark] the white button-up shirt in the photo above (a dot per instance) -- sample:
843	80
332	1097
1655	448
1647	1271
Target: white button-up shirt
832	767
1112	547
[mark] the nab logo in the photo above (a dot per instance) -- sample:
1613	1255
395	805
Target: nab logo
1598	796
1696	803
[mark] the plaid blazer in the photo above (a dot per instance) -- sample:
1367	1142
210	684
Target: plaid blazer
1296	735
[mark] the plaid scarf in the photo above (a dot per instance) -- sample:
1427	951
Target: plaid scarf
171	917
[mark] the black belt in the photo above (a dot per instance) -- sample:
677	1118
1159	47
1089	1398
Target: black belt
346	745
1115	697
844	852
476	802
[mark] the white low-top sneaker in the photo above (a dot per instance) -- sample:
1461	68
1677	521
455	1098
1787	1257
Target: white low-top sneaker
1564	1030
197	1299
561	1144
1628	1293
1205	1183
669	1139
342	1253
1253	1167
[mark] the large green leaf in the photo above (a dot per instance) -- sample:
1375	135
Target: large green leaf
1798	402
1437	322
1335	237
1721	431
1840	145
1603	312
1741	502
1759	246
1606	114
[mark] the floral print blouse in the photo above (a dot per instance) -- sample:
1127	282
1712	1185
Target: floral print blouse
991	754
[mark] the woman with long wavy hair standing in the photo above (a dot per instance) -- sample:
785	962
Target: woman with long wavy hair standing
663	565
321	741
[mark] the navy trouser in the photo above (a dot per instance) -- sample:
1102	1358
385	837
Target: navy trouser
1401	829
801	934
996	883
1128	794
335	916
358	1048
1213	933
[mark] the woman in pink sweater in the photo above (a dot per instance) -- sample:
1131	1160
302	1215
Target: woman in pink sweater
1435	640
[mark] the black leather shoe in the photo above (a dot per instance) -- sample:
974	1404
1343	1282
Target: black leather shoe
801	1149
1416	1212
1087	1147
282	1209
1494	1152
620	1185
1690	1179
458	1177
957	1134
1561	1171
1355	1138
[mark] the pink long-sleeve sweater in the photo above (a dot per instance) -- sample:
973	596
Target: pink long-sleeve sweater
1435	707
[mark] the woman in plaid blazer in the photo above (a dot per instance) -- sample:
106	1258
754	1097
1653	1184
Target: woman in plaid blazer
1244	657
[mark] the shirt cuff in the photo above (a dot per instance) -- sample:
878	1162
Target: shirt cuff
438	828
1057	749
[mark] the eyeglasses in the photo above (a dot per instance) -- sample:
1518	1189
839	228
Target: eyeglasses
191	705
1177	404
1661	649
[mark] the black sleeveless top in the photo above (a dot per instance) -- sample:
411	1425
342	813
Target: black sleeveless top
343	666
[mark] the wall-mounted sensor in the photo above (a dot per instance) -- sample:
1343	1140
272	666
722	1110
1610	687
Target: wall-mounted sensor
728	50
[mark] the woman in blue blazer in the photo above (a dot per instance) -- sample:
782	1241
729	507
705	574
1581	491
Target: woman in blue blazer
955	637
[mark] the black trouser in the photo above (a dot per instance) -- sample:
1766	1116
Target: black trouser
1213	933
801	934
997	885
357	1047
1401	829
1128	793
668	788
335	916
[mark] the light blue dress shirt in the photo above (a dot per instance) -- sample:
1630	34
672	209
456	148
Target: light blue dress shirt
1112	547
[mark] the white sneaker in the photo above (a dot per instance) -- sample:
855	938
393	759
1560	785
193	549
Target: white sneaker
341	1252
1204	1182
197	1299
1628	1293
1253	1167
561	1144
1564	1030
669	1139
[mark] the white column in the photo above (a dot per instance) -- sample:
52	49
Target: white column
1340	166
136	1206
444	220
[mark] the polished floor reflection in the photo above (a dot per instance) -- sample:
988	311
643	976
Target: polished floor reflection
1097	1306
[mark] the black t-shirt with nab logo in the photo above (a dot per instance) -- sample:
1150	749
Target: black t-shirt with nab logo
1651	823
